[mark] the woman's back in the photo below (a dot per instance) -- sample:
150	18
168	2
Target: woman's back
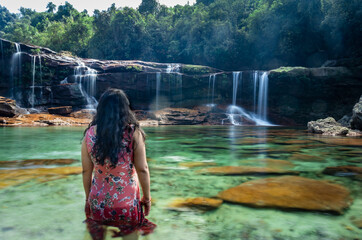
114	195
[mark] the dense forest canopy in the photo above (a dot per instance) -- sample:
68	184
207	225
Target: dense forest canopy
226	34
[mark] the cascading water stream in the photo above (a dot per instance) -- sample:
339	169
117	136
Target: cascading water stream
33	62
2	55
86	78
237	114
210	100
15	65
158	85
263	97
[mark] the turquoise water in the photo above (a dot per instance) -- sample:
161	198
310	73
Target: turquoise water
54	209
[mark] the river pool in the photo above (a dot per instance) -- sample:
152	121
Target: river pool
54	209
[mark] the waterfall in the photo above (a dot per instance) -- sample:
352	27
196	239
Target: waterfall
33	62
41	77
255	82
15	65
158	85
236	114
210	100
2	56
86	78
235	86
263	97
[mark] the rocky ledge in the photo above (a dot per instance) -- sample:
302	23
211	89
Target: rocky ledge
346	126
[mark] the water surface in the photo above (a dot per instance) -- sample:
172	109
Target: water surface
54	209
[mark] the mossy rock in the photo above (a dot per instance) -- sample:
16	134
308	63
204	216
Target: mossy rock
195	69
133	68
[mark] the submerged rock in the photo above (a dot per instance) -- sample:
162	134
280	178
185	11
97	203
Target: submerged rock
271	163
8	108
327	126
290	192
35	162
356	121
244	170
17	176
201	203
197	164
343	171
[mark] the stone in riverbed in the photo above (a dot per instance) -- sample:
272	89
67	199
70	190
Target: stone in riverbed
356	121
63	110
18	176
197	164
244	170
201	203
343	171
271	163
35	162
327	126
290	192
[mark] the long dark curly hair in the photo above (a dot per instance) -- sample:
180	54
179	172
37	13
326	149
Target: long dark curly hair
113	118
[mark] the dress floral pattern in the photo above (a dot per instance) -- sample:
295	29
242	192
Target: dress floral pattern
114	198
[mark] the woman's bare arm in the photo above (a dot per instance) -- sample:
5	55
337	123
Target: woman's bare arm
141	165
87	165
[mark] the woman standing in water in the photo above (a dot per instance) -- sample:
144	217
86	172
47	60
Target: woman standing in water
114	149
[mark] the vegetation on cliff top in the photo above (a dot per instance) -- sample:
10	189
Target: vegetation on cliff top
225	34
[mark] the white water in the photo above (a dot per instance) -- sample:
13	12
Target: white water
33	62
86	78
210	99
158	85
15	65
263	97
235	85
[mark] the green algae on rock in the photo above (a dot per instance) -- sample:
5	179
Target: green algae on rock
290	192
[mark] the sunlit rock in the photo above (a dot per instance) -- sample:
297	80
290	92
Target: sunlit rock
290	192
327	126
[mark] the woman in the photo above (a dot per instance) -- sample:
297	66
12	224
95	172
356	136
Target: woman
114	149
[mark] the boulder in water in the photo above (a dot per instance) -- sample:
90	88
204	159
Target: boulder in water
356	121
290	192
343	171
327	126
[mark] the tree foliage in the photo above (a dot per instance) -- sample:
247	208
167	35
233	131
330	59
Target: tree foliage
227	34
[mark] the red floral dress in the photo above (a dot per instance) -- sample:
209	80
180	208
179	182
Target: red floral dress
114	198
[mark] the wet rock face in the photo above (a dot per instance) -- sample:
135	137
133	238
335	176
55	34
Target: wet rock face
8	108
67	95
356	121
290	192
63	110
327	126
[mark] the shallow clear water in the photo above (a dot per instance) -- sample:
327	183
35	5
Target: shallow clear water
54	209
